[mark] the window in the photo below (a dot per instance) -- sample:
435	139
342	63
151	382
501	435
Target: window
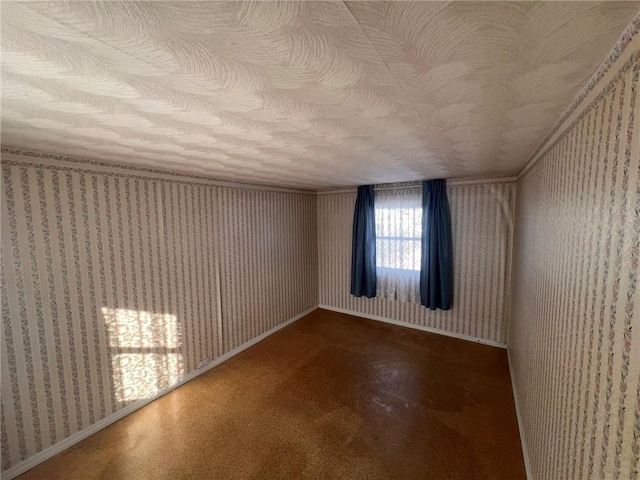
398	241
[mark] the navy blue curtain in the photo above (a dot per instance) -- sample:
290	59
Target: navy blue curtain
436	270
363	249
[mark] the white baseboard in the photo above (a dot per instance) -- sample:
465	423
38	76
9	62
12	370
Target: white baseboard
59	447
525	450
460	336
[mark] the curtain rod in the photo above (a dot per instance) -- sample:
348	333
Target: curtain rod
399	187
451	182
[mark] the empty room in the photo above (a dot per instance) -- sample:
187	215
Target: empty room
320	240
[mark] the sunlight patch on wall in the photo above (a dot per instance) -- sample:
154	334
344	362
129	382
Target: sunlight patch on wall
145	349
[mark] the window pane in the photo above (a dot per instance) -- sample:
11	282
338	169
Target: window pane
398	228
398	253
398	232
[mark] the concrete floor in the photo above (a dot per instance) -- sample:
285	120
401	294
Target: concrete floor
330	397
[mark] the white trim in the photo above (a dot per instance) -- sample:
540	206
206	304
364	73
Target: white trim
90	430
460	336
523	441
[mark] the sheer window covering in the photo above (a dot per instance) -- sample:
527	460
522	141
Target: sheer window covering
398	219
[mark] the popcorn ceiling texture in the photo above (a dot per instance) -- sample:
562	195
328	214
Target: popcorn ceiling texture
313	94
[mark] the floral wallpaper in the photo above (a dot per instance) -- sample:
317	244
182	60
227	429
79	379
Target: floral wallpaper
116	283
575	329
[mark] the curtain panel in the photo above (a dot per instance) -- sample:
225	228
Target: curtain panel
436	272
363	249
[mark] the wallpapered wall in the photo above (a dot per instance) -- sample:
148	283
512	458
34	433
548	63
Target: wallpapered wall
482	223
117	283
575	330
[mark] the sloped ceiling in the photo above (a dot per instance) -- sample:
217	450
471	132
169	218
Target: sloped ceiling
311	95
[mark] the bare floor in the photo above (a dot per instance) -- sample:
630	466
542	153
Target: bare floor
330	397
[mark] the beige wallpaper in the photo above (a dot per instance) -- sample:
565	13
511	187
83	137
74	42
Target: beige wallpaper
575	332
117	283
481	215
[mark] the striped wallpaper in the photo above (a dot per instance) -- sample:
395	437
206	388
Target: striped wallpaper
116	283
482	222
575	331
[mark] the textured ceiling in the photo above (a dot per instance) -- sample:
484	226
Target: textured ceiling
302	94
